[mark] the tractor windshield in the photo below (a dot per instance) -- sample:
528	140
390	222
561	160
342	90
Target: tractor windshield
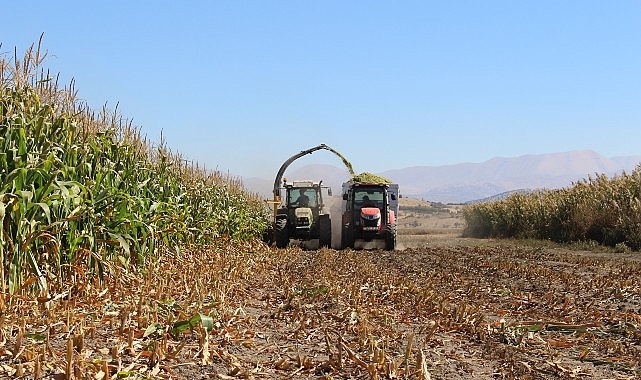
368	198
302	197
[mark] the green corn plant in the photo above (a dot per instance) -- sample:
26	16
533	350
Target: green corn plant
81	189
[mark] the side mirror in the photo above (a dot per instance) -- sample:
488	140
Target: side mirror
329	191
345	196
393	196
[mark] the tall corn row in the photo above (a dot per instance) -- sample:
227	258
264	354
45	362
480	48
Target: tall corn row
601	209
79	189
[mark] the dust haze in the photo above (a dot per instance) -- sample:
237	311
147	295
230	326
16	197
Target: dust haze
334	205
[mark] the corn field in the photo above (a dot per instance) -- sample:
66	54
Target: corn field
80	188
598	209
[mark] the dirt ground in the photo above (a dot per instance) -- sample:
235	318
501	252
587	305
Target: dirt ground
439	307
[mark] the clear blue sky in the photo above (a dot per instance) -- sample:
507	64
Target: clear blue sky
240	86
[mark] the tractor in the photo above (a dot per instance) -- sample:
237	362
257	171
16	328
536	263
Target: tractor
369	214
305	221
302	216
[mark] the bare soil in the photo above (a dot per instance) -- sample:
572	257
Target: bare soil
441	307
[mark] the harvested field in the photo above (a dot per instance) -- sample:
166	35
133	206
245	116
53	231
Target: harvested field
444	309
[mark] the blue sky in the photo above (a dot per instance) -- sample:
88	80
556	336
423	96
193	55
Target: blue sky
240	86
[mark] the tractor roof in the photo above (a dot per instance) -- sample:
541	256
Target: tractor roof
303	183
381	184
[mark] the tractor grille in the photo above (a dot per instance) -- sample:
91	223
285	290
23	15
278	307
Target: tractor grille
371	224
302	221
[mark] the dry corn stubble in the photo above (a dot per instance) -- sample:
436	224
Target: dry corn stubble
427	313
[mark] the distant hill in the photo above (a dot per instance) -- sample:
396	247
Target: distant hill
464	182
498	197
470	181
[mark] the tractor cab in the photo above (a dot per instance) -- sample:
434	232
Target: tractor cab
304	202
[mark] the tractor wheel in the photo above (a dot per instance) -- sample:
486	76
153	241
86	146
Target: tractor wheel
268	235
347	238
390	239
325	231
282	237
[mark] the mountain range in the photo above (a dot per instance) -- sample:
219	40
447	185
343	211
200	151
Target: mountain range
465	182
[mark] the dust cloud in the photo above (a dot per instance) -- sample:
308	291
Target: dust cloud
334	204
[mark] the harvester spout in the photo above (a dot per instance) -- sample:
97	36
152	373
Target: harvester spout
281	171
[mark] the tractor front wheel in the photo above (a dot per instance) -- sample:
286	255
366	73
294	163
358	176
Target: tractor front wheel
325	231
282	237
347	238
390	239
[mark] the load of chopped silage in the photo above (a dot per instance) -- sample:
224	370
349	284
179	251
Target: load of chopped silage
366	177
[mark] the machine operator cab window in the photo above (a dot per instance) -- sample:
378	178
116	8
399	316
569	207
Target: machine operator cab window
368	198
302	197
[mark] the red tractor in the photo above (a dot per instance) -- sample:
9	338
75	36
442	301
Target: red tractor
369	215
